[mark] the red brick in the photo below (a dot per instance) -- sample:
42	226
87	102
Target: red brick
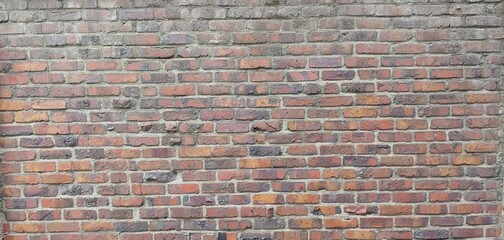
120	78
183	188
19	155
395	210
57	203
104	91
80	214
143	116
446	73
482	98
102	65
180	90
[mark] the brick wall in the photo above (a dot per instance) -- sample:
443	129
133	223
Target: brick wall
250	119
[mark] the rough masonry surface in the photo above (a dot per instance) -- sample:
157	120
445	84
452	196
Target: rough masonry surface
250	119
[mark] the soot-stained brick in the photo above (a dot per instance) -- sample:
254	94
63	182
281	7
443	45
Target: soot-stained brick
162	177
265	151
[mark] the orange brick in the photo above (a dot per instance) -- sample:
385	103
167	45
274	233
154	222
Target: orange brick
468	160
340	223
268	199
123	153
75	166
40	167
361	235
29	66
48	104
360	112
373	100
92	178
303	198
189	152
27	117
254	63
97	226
254	163
127	202
428	86
63	227
14	105
480	147
27	228
59	178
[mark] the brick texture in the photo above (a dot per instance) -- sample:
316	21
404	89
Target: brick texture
251	119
